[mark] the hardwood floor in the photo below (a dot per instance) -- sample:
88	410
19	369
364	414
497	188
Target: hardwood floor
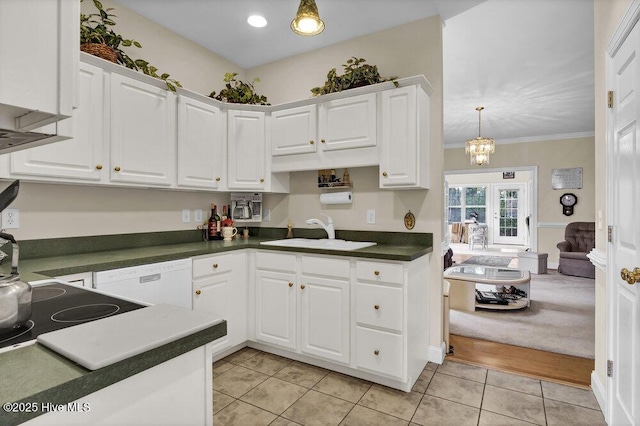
552	367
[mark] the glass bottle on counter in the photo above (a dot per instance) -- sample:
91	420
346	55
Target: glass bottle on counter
214	224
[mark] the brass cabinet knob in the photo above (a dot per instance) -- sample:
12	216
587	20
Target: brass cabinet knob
322	140
99	166
116	168
198	292
218	179
384	174
376	273
630	277
290	284
376	352
261	180
215	266
302	286
376	307
311	142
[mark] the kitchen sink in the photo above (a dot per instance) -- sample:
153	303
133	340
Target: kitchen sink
320	244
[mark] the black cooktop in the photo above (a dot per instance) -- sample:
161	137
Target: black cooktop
57	306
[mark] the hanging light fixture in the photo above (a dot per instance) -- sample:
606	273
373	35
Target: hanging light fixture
480	148
307	21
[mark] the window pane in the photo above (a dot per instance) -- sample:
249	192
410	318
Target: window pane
475	196
455	196
455	214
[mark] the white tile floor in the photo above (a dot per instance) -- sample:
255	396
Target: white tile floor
256	388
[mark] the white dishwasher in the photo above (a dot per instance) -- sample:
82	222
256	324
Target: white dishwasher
165	282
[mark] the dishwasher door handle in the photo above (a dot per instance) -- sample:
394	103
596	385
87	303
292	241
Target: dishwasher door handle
150	278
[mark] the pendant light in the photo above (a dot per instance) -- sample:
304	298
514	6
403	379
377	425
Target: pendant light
480	148
307	21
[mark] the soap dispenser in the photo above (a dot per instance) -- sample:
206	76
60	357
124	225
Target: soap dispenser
290	229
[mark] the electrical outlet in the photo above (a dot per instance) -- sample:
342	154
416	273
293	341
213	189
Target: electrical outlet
371	217
197	215
10	219
186	216
266	215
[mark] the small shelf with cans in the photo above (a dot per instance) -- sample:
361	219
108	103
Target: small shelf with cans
332	178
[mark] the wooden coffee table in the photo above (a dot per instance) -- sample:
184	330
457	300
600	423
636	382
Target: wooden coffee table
465	278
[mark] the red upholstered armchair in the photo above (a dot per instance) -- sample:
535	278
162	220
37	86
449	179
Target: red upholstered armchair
580	239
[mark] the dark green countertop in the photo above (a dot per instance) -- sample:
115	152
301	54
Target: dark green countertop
35	374
92	254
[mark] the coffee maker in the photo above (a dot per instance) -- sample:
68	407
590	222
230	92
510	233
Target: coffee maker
246	207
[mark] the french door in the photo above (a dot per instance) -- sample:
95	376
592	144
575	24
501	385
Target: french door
509	206
623	293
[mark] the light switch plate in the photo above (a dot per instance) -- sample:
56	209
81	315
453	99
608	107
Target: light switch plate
266	215
197	215
186	216
371	217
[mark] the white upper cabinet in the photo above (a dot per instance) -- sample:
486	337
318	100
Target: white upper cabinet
38	62
201	144
294	131
348	123
142	133
80	158
247	152
404	155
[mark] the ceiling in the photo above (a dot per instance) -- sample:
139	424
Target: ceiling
530	63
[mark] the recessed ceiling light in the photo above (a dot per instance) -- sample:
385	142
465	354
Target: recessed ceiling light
257	21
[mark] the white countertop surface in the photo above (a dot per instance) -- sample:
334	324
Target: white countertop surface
103	342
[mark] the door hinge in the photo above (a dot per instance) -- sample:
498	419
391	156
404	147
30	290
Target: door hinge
609	368
610	98
610	233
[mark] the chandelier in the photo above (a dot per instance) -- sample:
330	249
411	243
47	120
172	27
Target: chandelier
307	21
480	148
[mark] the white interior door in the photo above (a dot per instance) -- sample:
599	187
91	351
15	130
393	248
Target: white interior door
624	249
508	213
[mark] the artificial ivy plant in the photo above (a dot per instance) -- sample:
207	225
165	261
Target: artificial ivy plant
356	74
239	92
97	29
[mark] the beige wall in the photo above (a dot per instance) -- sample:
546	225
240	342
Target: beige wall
195	67
546	156
607	16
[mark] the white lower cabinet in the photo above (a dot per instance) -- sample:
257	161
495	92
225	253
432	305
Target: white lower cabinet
220	287
367	318
324	308
301	305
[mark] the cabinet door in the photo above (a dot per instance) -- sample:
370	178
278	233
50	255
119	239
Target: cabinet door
276	308
325	318
78	158
38	61
348	123
143	134
215	295
404	145
246	145
293	131
201	149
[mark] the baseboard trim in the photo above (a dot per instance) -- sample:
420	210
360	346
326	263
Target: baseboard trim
436	354
600	393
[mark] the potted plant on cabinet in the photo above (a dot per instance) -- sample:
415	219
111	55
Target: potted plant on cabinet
356	74
239	92
98	38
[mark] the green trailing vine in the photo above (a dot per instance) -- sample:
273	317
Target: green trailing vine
239	92
98	28
356	74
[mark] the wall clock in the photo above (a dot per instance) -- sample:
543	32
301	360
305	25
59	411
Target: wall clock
568	200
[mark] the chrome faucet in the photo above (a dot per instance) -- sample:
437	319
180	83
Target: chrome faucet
331	232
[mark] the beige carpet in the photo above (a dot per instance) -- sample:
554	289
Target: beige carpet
561	318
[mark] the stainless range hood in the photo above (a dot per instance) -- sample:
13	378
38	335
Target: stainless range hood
11	140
